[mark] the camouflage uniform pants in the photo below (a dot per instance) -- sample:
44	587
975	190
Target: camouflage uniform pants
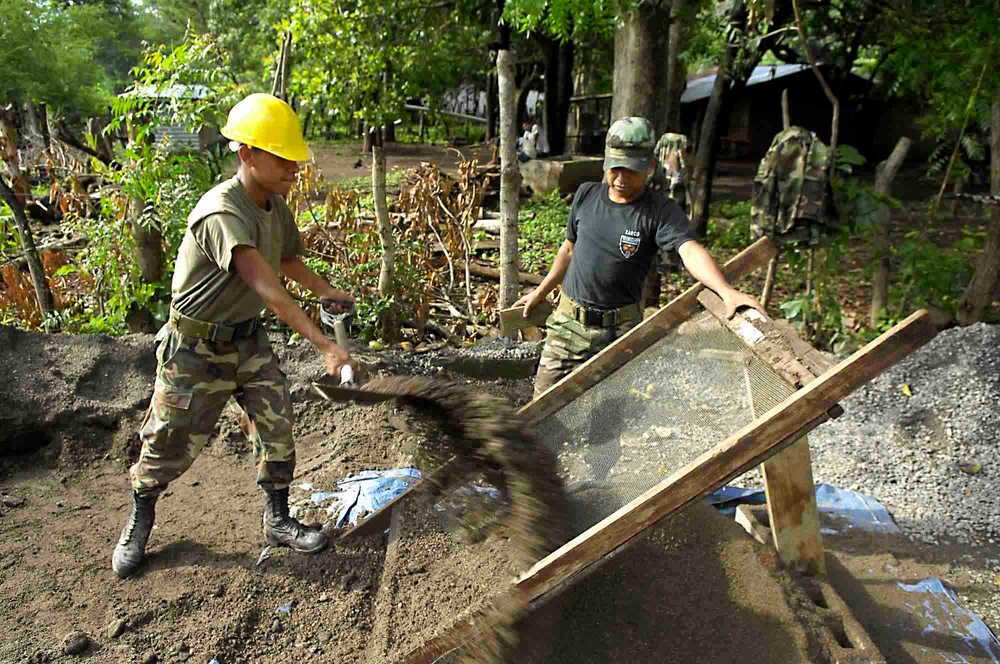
568	344
194	380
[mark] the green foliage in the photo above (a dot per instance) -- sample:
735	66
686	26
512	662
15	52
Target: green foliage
10	242
243	28
945	54
171	184
364	60
565	19
393	178
49	53
187	85
541	235
932	274
734	231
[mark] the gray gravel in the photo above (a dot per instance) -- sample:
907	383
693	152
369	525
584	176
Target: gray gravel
428	364
931	458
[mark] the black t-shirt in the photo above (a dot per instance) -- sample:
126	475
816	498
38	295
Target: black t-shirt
615	243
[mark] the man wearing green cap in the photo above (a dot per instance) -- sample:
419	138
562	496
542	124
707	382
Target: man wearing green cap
240	237
615	229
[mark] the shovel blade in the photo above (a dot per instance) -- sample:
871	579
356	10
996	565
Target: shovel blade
341	393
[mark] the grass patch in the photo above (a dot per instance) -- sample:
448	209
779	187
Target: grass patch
541	236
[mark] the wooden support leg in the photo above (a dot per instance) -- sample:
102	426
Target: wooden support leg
791	506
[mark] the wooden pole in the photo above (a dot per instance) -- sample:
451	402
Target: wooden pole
510	181
786	113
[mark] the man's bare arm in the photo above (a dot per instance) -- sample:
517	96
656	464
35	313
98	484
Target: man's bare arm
555	277
299	272
259	275
702	267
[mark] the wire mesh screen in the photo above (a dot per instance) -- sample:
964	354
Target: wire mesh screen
668	405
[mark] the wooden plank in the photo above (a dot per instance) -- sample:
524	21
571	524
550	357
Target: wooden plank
513	318
760	439
791	506
641	337
762	337
745	517
788	477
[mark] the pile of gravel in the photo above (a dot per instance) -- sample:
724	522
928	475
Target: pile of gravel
931	458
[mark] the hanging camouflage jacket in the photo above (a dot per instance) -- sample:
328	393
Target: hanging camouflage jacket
792	196
671	174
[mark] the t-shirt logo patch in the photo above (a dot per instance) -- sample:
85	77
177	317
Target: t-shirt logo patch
629	243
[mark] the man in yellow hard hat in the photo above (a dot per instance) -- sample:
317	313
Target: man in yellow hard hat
240	237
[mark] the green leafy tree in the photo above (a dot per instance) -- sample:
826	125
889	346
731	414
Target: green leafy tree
49	53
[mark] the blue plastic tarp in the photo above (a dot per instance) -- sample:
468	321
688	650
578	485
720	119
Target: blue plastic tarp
366	492
938	609
858	510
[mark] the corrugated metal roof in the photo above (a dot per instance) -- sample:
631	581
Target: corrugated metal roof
178	139
701	88
177	91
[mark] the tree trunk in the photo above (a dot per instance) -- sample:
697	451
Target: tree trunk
883	180
279	88
708	147
727	83
38	125
46	303
492	108
640	48
558	90
386	283
681	19
786	111
148	237
985	283
8	152
389	130
510	180
385	275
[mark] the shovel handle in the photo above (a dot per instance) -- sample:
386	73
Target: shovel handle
346	372
340	332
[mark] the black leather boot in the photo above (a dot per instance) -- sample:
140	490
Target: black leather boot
131	548
282	530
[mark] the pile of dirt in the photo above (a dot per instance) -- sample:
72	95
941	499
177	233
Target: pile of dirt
694	588
87	391
202	594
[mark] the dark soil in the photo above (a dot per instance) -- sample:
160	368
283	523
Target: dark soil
68	431
695	588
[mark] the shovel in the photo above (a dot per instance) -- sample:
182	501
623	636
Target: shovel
347	389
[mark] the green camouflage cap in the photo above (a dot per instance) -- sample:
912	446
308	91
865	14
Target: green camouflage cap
629	144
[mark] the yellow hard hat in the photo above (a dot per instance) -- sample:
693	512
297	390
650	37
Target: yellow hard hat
266	122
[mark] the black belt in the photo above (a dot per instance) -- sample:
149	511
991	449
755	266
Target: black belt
598	317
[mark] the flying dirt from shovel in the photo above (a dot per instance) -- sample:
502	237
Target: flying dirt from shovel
474	435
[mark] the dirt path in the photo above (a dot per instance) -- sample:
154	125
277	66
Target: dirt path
340	162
